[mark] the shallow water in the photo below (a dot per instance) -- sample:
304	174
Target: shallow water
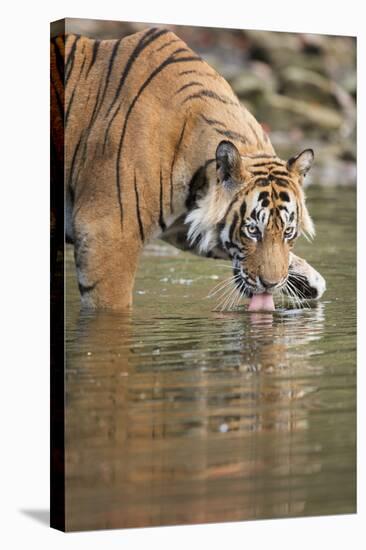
179	414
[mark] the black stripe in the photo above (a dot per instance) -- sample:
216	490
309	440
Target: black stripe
168	44
60	37
212	121
281	182
193	83
73	160
84	289
279	173
188	72
69	106
95	110
284	196
70	60
73	92
192	71
260	173
169	61
278	220
263	195
233	226
87	133
145	41
110	67
301	285
93	117
267	163
72	194
141	227
82	67
161	212
231	135
88	97
198	183
212	95
176	150
179	50
243	209
60	61
109	125
94	56
234	200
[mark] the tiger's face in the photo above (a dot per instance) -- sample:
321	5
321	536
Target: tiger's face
260	210
257	233
266	214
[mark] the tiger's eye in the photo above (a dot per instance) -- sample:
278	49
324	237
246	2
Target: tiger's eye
288	232
252	230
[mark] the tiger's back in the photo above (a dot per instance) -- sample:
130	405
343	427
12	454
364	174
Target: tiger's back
138	99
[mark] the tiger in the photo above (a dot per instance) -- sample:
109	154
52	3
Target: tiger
157	145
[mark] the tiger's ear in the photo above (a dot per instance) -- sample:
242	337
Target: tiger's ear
302	163
228	164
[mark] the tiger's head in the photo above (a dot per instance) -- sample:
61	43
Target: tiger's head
253	211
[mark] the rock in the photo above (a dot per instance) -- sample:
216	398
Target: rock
313	43
258	79
283	112
349	83
307	85
268	46
310	86
340	57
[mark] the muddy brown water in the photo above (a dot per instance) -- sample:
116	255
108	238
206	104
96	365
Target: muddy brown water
178	414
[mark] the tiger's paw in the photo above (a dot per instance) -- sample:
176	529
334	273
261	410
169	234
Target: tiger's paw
304	280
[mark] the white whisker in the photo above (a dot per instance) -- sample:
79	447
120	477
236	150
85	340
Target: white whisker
220	286
223	297
224	304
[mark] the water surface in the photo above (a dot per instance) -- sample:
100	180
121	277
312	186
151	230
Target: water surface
180	414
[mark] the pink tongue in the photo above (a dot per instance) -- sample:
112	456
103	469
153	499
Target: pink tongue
261	302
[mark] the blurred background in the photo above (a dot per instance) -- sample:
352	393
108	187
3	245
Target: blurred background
300	87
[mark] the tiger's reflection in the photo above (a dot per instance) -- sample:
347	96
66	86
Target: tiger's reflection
174	430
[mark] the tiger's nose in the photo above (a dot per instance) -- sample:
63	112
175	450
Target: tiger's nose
268	284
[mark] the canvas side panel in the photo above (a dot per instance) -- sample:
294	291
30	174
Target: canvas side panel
57	390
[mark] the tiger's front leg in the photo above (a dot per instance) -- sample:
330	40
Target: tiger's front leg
304	280
106	262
